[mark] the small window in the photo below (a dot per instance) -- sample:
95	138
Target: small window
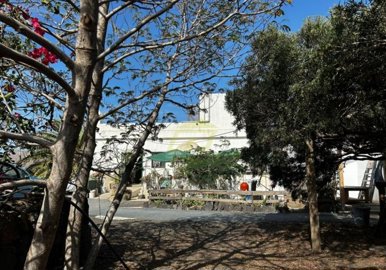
158	164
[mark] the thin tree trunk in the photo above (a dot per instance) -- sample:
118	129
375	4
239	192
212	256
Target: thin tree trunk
312	197
380	183
63	150
127	175
74	228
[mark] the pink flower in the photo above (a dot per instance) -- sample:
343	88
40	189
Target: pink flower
36	53
37	26
44	50
47	56
39	31
35	22
9	88
16	115
45	61
51	58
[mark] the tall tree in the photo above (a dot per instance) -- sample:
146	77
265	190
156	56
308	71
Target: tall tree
331	96
353	75
165	50
76	98
280	108
200	53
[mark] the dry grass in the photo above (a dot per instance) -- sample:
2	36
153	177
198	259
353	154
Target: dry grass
224	244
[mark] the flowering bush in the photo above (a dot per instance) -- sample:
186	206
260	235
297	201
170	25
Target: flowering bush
23	15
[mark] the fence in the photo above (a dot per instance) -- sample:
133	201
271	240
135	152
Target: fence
219	196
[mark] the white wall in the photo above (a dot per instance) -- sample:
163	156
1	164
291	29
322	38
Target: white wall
354	171
213	129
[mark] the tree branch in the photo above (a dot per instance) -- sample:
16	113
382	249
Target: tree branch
27	32
73	5
21	183
136	29
25	137
100	170
181	105
8	53
150	46
10	111
116	10
132	100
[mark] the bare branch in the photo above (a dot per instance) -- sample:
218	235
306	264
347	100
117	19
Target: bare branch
62	40
74	6
26	31
21	183
100	170
362	157
25	137
116	10
181	105
167	82
154	45
130	101
9	53
136	29
48	97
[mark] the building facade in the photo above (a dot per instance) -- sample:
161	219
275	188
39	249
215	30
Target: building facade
213	130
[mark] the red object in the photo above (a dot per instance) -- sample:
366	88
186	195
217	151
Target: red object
37	26
244	186
46	55
9	88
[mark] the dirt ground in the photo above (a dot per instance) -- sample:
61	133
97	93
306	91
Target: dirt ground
222	244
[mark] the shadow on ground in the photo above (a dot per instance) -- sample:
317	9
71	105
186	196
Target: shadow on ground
223	243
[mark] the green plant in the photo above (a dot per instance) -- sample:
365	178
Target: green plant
192	203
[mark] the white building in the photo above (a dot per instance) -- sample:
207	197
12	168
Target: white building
213	131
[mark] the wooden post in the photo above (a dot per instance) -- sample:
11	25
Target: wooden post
343	198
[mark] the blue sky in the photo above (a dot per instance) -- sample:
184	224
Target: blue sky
296	13
294	16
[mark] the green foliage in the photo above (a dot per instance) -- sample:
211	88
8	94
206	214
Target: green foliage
278	102
204	168
192	203
353	75
325	83
39	159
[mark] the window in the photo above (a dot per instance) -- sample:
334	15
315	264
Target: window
157	164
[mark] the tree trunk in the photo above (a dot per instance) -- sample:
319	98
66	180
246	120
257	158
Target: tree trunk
127	175
312	196
74	228
64	148
73	237
380	184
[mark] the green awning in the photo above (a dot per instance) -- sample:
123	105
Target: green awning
169	156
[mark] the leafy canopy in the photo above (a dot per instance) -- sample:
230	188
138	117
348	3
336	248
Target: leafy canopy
205	168
324	83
